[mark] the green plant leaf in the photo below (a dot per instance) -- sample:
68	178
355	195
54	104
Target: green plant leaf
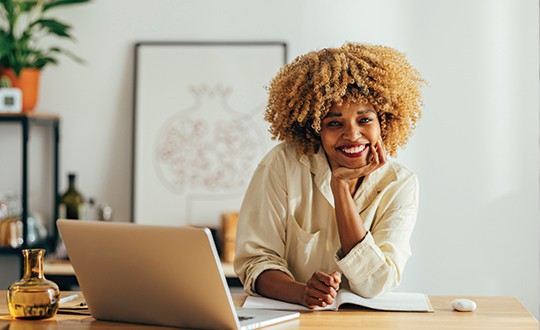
62	3
26	6
71	55
43	61
9	6
54	26
23	25
5	43
4	48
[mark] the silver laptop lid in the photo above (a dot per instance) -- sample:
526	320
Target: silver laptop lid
149	274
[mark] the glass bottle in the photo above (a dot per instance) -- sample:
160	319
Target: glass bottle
105	212
33	296
72	200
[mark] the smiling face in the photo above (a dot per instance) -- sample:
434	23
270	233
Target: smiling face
347	132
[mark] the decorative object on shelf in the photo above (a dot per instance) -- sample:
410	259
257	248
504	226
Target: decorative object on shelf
27	82
72	202
105	212
91	210
33	297
10	98
37	232
11	225
95	211
22	56
71	207
11	232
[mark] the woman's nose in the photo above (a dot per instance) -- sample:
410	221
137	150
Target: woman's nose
352	133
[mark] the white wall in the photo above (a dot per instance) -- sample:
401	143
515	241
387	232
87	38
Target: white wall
475	150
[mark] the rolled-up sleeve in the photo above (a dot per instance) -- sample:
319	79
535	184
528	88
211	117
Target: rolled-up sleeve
375	265
261	230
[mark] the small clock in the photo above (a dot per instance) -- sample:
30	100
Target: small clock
10	100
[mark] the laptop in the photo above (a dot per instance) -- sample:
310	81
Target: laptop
168	276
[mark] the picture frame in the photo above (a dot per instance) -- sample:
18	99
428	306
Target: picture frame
198	127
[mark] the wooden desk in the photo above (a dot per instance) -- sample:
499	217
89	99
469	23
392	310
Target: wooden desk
492	313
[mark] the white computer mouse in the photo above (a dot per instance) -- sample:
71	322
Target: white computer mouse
463	305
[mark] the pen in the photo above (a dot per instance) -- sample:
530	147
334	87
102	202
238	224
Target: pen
69	298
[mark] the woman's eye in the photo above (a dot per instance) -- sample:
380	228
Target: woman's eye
333	124
365	120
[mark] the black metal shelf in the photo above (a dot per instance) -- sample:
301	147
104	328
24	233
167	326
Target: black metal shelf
27	120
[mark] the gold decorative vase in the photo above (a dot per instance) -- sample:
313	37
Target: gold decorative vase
33	297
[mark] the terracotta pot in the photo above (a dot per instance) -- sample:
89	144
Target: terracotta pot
28	82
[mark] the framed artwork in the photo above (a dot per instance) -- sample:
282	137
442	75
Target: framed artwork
198	127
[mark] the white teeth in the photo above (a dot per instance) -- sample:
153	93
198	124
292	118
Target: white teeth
354	150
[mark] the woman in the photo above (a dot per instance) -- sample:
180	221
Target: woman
326	207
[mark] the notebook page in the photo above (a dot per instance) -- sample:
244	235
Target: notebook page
391	301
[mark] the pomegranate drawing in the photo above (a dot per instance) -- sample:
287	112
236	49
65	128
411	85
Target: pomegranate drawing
208	147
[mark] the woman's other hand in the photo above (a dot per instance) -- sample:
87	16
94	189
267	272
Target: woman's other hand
321	289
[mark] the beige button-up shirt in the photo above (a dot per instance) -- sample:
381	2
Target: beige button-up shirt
287	222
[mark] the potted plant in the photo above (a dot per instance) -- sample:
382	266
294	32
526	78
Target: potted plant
23	25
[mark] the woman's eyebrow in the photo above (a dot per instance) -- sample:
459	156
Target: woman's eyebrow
363	112
333	114
360	112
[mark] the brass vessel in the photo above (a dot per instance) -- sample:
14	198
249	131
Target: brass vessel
33	296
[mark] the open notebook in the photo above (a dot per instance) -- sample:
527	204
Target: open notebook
157	275
392	301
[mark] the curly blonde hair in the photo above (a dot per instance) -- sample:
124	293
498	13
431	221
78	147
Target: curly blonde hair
303	91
